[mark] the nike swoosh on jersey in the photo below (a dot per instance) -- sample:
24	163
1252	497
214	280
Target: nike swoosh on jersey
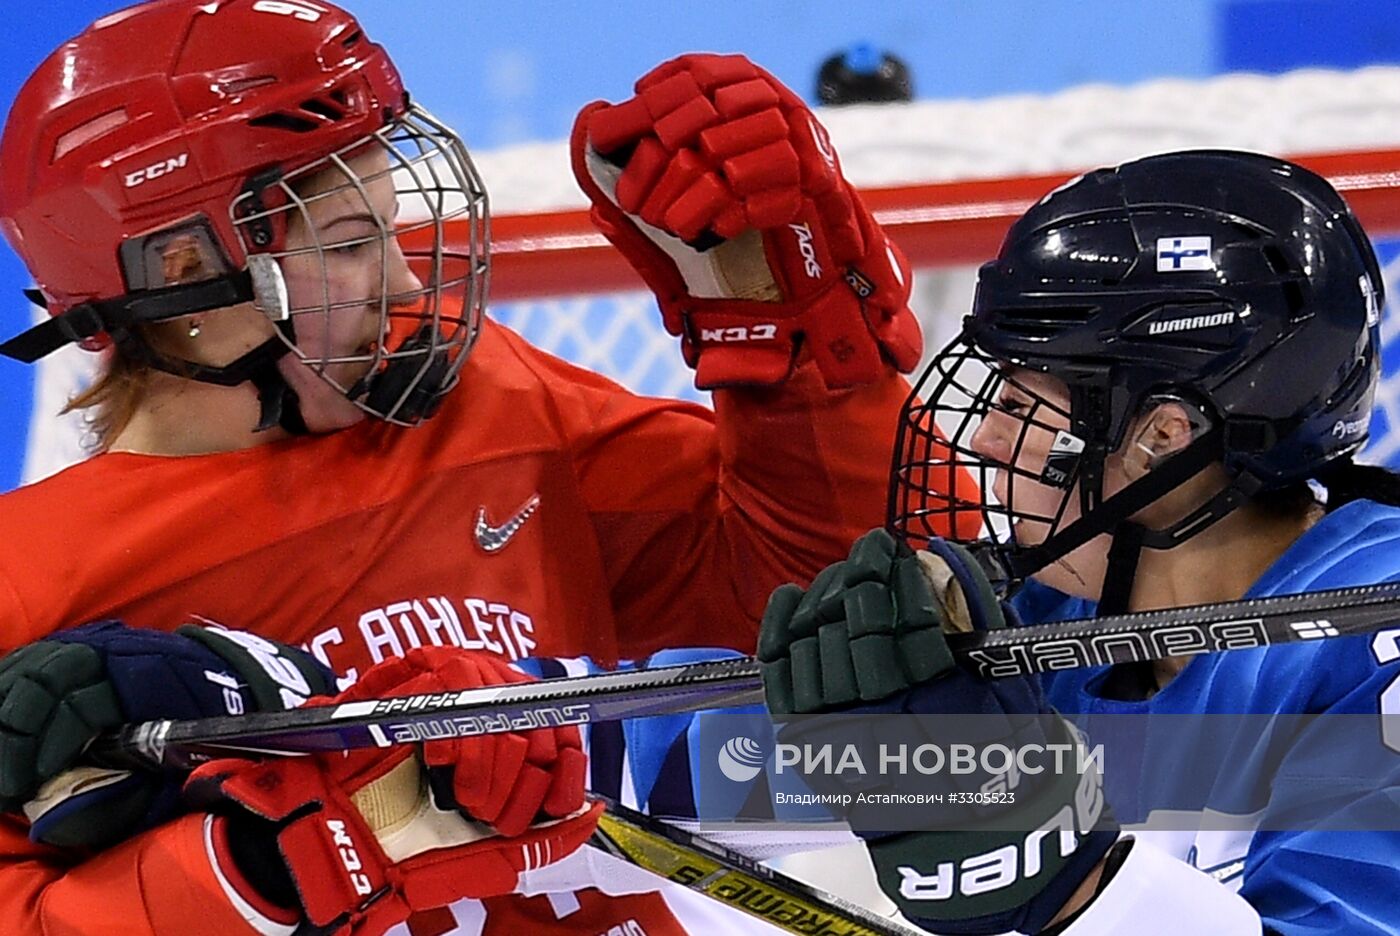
494	538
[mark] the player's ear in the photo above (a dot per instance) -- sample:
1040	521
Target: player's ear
185	253
1164	429
182	261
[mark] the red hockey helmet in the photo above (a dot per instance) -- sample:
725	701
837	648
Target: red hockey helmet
181	118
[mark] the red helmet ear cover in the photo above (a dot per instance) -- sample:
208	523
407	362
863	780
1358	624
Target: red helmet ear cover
164	113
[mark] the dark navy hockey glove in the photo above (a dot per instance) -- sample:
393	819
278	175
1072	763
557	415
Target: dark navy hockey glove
867	642
59	693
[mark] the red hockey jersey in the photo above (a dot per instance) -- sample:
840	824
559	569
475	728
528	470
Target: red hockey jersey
544	511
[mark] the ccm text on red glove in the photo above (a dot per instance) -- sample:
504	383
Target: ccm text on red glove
361	839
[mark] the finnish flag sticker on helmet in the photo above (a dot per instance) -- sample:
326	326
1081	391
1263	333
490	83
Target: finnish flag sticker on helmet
1179	254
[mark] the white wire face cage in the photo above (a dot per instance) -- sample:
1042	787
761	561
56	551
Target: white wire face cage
424	334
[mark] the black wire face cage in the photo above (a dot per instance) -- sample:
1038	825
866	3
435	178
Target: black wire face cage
423	334
935	441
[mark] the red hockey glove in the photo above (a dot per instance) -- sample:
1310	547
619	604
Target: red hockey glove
722	190
355	840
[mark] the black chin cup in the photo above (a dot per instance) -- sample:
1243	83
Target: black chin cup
408	389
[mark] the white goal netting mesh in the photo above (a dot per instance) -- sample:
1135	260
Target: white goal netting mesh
1303	112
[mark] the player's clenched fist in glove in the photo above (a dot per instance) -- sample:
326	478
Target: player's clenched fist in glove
723	191
868	637
361	839
58	693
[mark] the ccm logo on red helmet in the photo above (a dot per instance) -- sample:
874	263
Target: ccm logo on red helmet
164	167
809	250
349	857
739	333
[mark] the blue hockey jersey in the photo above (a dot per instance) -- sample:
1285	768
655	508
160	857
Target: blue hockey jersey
1304	879
1337	868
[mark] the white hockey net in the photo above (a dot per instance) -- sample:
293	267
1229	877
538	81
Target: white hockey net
945	178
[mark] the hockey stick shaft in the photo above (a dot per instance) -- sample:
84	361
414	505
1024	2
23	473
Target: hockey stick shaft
734	879
1148	635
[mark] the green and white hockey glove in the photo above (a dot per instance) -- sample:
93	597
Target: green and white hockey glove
992	850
